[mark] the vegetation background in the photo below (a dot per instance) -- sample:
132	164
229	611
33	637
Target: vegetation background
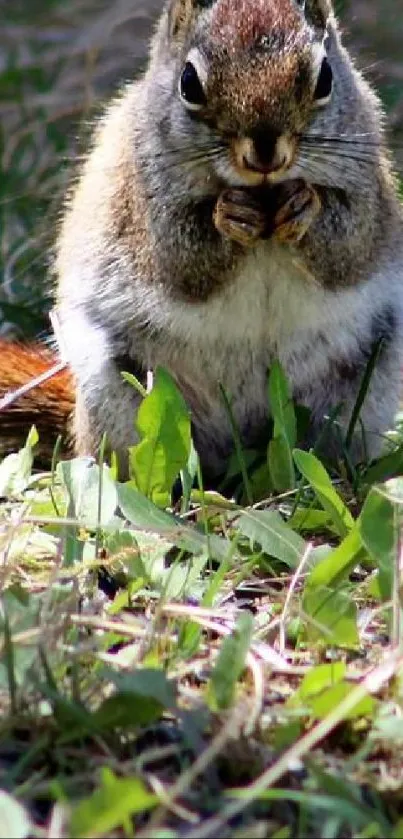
59	61
168	667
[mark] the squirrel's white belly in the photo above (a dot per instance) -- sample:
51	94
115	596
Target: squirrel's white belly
273	308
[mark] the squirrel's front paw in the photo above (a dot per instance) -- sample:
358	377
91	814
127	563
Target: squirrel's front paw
239	216
300	208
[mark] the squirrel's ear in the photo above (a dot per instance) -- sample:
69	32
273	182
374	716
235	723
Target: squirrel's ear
319	11
182	13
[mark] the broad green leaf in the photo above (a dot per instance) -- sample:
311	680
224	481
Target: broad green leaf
310	520
144	557
281	465
17	615
140	698
209	498
378	533
184	579
260	482
281	404
315	473
331	617
280	448
16	468
285	734
276	538
339	563
126	710
163	423
323	704
323	688
141	512
384	468
320	677
92	494
146	682
15	822
110	807
230	663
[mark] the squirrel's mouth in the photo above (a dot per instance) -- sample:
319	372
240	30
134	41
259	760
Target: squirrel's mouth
262	158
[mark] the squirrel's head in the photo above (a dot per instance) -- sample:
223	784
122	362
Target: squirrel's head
245	79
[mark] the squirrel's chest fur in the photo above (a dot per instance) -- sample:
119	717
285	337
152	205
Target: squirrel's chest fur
272	308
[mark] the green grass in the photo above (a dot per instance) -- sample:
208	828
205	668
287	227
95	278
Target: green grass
207	668
217	667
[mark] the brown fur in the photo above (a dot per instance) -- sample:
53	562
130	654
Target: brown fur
48	406
244	23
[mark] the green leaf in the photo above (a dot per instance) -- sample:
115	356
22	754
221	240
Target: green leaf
378	533
322	705
184	578
16	468
230	663
15	822
331	613
163	423
141	512
149	683
323	688
397	831
315	473
17	615
285	734
126	710
387	466
310	520
277	539
110	807
92	494
319	678
280	448
280	463
140	699
339	563
281	404
331	617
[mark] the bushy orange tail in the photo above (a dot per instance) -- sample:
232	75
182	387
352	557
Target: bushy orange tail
47	406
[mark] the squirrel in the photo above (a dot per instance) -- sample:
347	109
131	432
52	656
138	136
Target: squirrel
238	205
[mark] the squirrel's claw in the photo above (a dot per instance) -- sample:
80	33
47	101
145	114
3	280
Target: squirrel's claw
238	216
295	216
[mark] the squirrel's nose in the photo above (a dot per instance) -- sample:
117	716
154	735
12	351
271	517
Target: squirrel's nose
264	152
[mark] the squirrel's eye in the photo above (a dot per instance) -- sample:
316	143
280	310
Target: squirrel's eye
190	88
324	83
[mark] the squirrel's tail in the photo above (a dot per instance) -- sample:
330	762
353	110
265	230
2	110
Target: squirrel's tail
48	406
